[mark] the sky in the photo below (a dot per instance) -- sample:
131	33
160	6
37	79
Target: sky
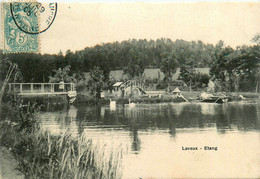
84	24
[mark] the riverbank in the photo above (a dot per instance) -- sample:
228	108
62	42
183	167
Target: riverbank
40	154
194	95
9	165
85	99
233	96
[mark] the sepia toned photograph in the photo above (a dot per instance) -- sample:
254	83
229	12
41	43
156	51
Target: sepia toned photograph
129	89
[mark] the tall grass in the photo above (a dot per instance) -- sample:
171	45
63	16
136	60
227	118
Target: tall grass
42	155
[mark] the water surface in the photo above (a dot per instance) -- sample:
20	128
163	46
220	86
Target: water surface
153	136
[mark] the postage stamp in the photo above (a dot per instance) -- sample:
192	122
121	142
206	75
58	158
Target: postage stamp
22	24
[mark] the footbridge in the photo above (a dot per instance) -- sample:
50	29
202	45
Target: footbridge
41	88
134	87
137	88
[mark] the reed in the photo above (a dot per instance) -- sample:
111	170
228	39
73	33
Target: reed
43	155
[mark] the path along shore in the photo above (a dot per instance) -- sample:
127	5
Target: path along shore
8	165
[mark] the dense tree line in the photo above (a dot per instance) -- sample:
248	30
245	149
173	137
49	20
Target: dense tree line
236	69
231	69
111	56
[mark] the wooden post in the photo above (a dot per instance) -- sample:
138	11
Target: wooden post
31	87
21	87
190	86
42	87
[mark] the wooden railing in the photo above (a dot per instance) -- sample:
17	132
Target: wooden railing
41	87
134	83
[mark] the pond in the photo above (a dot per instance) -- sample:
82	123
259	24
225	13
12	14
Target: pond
156	137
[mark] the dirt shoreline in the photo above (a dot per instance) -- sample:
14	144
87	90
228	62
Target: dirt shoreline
8	165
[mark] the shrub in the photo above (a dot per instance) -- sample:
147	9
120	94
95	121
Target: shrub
162	86
81	86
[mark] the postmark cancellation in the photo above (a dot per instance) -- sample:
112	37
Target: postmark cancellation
22	23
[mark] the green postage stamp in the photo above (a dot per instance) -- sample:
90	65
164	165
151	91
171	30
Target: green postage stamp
22	23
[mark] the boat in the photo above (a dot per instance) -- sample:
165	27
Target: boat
209	98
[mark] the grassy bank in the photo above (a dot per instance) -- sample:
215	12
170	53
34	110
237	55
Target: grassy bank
42	155
81	98
58	101
86	99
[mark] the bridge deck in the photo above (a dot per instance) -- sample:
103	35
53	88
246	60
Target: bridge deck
44	93
41	88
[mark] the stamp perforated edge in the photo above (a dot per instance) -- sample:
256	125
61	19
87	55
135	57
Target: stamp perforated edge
2	26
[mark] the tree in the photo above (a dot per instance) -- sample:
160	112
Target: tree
223	66
97	81
168	67
62	75
236	69
135	67
247	67
187	71
112	56
256	39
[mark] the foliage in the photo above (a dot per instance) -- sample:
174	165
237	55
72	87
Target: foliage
162	85
187	73
236	69
135	67
231	67
110	56
198	80
62	74
149	82
81	85
42	155
256	39
24	116
5	65
97	81
202	79
169	66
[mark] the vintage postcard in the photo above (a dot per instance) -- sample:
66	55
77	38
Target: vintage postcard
129	89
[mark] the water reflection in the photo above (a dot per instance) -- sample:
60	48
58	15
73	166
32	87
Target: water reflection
172	122
177	107
154	117
136	141
155	133
172	118
209	108
63	120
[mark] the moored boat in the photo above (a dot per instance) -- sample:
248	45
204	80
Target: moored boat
209	98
